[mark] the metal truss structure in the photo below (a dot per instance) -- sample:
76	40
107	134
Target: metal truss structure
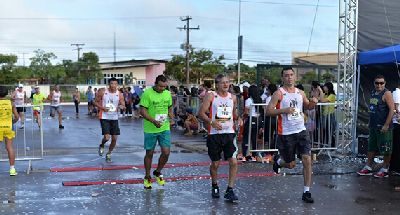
347	75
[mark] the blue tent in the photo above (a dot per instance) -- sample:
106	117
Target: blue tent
380	56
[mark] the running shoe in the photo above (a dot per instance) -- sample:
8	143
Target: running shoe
101	150
108	158
13	172
230	195
215	192
307	197
21	127
61	127
159	178
147	183
365	171
381	174
276	166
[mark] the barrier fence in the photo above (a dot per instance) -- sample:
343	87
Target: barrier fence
261	133
28	141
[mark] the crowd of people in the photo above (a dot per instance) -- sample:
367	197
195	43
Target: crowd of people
228	116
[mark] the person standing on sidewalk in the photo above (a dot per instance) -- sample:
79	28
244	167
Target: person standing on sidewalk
381	111
90	98
19	98
7	110
221	106
287	103
156	109
108	101
76	96
55	101
395	159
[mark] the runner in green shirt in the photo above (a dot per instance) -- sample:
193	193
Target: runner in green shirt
156	109
37	102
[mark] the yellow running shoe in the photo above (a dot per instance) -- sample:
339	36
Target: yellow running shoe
147	183
159	178
13	172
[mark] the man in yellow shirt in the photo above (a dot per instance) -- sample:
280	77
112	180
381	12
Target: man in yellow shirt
7	109
37	102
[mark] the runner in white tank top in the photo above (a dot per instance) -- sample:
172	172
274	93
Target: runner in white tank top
18	97
289	103
221	106
55	101
109	101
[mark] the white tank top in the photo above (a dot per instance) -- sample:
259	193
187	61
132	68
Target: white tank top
55	100
291	123
221	110
19	98
110	101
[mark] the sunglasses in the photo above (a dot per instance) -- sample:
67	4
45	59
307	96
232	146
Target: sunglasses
379	83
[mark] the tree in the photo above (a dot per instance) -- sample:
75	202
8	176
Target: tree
309	77
202	65
328	77
247	73
6	68
89	62
42	67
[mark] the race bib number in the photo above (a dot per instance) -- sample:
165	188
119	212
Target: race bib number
224	113
111	107
161	117
295	115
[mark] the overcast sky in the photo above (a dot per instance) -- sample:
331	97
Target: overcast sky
272	29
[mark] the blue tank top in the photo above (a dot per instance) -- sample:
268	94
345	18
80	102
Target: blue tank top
378	110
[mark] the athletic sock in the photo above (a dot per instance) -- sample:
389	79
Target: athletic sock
306	189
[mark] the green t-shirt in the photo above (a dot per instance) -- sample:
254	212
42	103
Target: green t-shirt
157	105
329	109
37	101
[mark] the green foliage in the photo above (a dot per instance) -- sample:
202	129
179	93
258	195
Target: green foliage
41	65
309	77
202	65
328	77
89	64
247	73
6	68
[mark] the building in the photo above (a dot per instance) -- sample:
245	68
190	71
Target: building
326	59
133	72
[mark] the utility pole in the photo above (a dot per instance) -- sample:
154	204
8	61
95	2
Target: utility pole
187	45
23	57
78	48
115	48
240	42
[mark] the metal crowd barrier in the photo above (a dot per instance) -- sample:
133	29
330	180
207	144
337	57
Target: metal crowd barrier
320	123
28	141
181	103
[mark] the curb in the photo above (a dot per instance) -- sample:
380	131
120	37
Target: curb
191	147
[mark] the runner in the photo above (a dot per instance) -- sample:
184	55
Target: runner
90	98
7	109
156	109
37	101
55	101
108	101
221	134
292	136
19	98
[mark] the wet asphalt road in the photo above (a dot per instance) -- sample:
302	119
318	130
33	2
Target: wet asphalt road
336	188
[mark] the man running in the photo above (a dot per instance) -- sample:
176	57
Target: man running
108	101
381	111
7	110
55	101
292	136
221	106
37	105
19	98
156	109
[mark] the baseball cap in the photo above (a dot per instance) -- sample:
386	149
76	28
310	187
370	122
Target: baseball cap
35	87
246	84
20	85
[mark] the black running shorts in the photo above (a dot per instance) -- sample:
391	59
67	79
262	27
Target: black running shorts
109	127
218	143
289	145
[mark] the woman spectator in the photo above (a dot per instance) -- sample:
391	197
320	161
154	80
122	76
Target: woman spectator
270	122
327	95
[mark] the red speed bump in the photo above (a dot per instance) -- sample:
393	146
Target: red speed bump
170	179
127	167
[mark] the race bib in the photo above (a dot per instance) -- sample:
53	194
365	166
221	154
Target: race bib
161	117
224	113
111	107
295	115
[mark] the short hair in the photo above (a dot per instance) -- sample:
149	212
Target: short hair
3	91
285	69
161	78
219	77
112	79
379	76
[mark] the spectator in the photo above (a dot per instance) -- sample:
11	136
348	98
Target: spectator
90	98
327	95
76	97
191	123
395	160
